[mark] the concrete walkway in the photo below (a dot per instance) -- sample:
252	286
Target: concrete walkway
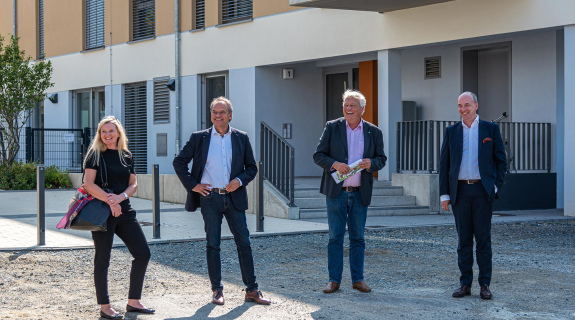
18	222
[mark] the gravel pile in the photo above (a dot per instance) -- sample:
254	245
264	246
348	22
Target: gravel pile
412	272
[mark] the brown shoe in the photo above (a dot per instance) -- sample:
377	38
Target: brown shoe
257	297
485	292
462	291
218	297
361	286
331	287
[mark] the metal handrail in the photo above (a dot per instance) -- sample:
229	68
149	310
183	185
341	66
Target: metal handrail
527	144
278	163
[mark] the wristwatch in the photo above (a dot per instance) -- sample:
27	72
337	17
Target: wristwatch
125	195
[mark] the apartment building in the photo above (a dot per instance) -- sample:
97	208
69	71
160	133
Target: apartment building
286	63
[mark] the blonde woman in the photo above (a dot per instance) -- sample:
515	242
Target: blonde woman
109	154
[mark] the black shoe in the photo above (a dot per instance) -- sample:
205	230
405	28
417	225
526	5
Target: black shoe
485	292
116	316
129	308
464	290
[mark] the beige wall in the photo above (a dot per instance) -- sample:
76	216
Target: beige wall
27	27
212	8
118	14
63	27
186	15
5	18
267	7
164	17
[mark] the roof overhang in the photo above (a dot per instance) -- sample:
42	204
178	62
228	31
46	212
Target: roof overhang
364	5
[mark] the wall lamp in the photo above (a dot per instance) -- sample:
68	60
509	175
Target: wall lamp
171	84
53	98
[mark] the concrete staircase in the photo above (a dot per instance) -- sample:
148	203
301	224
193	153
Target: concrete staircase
386	200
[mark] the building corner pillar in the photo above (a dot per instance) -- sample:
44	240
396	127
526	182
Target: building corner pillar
569	113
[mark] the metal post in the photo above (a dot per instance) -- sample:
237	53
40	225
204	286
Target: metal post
41	199
156	199
29	144
177	73
260	199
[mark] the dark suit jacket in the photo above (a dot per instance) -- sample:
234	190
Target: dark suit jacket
332	147
492	158
243	166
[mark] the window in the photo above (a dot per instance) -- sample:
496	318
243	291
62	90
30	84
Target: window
236	10
433	68
40	29
95	30
143	19
136	124
161	100
199	14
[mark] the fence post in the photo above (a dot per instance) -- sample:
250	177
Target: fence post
156	199
41	208
430	150
260	198
399	156
29	151
86	135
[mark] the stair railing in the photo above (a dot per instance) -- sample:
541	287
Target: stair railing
277	157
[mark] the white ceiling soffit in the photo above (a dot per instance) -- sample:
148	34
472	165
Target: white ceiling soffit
364	5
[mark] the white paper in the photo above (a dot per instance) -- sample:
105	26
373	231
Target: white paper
337	177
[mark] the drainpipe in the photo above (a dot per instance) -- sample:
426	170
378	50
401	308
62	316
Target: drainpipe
177	75
14	18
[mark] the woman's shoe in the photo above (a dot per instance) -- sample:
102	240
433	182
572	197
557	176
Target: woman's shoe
129	308
116	316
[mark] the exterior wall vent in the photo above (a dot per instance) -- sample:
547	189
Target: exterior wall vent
136	124
161	100
432	68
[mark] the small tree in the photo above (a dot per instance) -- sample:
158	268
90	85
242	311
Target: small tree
22	86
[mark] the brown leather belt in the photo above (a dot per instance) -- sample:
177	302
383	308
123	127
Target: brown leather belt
350	189
219	191
469	181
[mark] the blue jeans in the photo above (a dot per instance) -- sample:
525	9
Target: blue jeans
214	207
346	208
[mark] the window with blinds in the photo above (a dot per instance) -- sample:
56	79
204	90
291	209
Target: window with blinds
95	30
199	14
143	19
136	124
40	29
161	100
236	10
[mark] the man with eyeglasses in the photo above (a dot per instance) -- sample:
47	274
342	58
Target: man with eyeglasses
223	166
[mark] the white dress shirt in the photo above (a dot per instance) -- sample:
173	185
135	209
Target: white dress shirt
219	162
469	169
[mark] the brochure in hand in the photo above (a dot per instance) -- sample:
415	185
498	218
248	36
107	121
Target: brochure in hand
337	177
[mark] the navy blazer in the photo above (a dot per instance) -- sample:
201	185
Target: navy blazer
332	147
243	166
492	158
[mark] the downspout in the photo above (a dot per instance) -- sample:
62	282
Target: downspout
177	73
14	18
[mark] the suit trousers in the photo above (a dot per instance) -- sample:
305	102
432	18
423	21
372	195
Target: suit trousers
214	207
473	211
128	229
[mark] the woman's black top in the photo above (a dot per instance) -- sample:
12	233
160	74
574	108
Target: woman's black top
118	176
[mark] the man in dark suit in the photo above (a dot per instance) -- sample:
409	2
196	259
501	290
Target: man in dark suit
223	166
471	170
343	142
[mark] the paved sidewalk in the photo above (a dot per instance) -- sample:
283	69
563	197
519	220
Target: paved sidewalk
18	222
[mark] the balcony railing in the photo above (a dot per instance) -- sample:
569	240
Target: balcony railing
527	144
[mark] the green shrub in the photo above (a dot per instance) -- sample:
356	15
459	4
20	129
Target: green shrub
22	176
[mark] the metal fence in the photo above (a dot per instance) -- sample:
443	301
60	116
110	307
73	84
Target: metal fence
528	145
278	164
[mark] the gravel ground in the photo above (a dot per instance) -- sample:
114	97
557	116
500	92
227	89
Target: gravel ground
412	272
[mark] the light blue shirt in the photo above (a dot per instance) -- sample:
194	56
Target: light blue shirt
219	162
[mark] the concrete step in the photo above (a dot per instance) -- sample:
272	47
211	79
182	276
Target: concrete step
376	201
377	191
371	211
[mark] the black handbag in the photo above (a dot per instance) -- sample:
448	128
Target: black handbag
94	215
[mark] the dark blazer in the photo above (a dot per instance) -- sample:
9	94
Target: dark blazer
243	166
492	158
332	147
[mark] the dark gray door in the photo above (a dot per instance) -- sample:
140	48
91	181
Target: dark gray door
335	85
215	87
